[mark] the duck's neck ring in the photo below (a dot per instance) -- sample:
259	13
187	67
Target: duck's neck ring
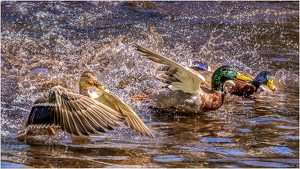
256	84
217	83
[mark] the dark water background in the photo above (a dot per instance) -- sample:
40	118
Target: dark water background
44	44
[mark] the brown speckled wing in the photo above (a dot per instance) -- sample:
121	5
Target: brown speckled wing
132	119
72	112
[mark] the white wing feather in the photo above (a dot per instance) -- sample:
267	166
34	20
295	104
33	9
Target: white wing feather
190	80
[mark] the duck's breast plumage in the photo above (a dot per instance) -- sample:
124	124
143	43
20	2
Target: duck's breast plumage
241	88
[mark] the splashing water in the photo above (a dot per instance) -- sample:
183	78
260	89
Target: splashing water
45	44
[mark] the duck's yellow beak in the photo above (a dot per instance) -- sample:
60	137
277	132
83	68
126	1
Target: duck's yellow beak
243	77
96	84
271	85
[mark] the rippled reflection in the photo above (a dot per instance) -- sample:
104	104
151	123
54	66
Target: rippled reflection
44	44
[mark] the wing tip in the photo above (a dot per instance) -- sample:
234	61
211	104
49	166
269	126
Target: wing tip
150	135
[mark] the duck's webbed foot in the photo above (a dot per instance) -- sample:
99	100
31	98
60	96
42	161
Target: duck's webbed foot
51	131
139	97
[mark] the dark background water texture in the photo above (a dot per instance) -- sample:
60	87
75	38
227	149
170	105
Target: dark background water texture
44	44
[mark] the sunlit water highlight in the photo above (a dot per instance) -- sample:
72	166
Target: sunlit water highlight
45	44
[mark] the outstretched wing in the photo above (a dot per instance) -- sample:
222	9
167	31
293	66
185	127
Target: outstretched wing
72	112
132	119
187	79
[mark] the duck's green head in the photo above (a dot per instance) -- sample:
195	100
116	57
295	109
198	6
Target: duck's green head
224	73
266	78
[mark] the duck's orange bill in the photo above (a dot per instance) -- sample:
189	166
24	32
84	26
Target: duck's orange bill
96	84
51	131
243	77
139	97
271	85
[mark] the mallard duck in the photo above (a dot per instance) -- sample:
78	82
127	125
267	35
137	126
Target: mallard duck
184	92
262	82
83	113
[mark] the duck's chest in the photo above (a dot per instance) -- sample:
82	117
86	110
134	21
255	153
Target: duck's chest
243	89
212	102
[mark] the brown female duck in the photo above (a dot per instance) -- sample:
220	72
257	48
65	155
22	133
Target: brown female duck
83	113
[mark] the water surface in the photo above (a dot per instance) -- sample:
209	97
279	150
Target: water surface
44	44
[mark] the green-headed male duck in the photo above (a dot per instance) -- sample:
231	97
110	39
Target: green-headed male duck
262	82
184	92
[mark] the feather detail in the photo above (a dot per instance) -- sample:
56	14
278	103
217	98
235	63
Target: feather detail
188	80
74	113
131	118
80	114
